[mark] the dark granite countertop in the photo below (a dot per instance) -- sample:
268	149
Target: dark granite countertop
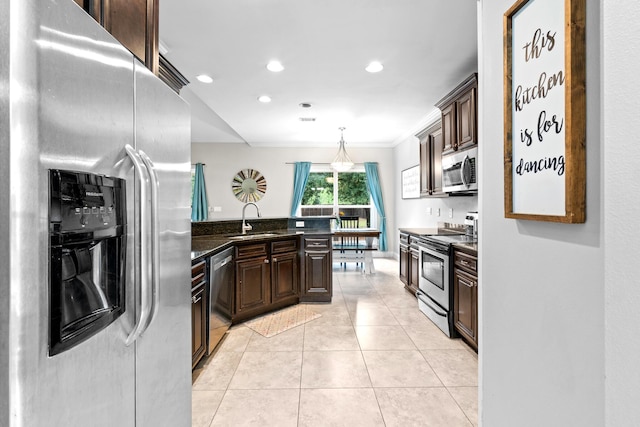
420	231
467	247
207	245
442	229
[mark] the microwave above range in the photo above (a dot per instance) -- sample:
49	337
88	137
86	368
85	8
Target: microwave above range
459	174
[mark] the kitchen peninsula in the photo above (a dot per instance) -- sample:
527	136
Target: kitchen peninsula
282	262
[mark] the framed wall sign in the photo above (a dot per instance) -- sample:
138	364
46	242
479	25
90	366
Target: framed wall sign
545	109
411	183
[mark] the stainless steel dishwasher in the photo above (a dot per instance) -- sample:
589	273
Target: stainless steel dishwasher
221	284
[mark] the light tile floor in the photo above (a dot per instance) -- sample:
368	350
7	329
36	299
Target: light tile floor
372	359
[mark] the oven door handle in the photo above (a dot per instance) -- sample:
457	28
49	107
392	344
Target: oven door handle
434	252
427	301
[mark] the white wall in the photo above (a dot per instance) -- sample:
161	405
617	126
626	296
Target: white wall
542	331
413	212
223	161
621	111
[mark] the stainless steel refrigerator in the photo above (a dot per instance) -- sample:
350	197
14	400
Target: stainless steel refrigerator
72	98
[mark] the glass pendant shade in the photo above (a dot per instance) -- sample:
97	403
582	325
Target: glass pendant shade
342	162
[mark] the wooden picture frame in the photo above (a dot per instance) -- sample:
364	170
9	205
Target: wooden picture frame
545	126
410	182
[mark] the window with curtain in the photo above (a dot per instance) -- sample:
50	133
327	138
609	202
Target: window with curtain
339	193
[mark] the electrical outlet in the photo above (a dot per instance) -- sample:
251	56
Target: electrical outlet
450	213
217	208
429	211
437	211
299	223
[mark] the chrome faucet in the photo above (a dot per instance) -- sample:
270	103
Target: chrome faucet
247	227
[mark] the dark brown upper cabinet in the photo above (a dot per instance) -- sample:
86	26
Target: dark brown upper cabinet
459	116
134	23
431	147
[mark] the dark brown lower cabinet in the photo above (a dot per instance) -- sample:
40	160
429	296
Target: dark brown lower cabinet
404	259
252	285
284	276
465	296
414	269
267	277
317	269
198	311
409	263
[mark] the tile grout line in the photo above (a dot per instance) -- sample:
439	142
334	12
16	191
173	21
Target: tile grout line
383	282
226	390
458	405
304	335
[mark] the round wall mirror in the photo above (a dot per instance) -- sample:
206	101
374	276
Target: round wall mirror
249	185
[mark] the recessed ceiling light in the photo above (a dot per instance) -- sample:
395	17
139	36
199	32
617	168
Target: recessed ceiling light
374	67
307	119
264	98
204	78
305	105
275	66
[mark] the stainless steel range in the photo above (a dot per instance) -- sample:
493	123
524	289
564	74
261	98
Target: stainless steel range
435	298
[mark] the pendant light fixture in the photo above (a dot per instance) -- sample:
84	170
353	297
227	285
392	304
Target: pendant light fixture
342	162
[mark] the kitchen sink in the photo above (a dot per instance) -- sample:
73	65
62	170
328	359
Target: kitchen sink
252	236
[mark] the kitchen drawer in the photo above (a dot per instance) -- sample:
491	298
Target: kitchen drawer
404	239
466	261
197	289
319	243
250	251
280	246
198	273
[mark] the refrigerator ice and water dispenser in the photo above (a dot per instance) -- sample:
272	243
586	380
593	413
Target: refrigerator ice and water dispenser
87	245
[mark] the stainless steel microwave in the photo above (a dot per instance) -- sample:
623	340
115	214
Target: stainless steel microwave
459	172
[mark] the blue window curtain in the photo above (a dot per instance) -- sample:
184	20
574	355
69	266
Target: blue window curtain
373	185
300	178
199	204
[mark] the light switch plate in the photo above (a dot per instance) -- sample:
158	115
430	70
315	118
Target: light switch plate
450	213
437	211
429	211
299	223
217	208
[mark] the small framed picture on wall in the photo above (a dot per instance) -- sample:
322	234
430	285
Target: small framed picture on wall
411	183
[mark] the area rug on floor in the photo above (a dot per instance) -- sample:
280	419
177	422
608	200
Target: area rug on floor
282	320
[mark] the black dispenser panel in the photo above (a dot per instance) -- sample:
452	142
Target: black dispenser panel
87	239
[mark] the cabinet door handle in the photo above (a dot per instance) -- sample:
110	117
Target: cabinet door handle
266	261
275	260
195	300
463	262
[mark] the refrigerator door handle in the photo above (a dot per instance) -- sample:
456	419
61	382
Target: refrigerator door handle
155	238
141	257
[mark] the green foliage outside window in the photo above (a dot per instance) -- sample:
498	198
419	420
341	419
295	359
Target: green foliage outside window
352	189
319	189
